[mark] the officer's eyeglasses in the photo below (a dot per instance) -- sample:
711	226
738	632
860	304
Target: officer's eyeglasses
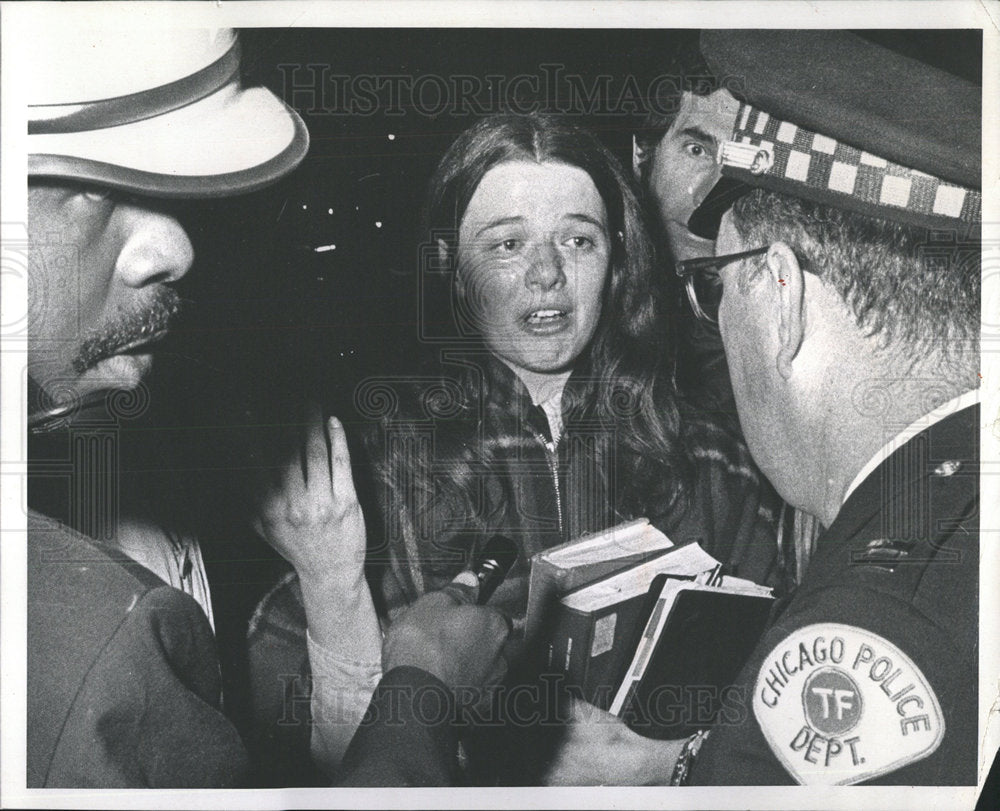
702	282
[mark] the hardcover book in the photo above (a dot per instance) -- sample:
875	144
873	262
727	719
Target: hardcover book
654	633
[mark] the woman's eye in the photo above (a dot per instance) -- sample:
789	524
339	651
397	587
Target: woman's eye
581	242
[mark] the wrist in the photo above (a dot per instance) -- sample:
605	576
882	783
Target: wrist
343	618
656	761
337	577
337	588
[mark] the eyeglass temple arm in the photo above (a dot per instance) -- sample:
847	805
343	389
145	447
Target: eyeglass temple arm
687	267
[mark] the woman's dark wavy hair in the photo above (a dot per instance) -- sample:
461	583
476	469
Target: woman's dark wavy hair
621	382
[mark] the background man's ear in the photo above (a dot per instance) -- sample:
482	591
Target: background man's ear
788	279
640	157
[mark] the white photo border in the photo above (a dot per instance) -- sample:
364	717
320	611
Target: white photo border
18	22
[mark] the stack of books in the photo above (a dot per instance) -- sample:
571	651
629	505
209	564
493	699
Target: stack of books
651	632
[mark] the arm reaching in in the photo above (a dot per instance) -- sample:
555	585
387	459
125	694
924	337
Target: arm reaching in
310	514
438	656
447	635
591	734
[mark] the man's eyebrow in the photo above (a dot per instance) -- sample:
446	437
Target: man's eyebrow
701	135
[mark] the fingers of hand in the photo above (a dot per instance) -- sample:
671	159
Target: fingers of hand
434	603
499	628
343	480
290	483
316	454
295	508
464	589
439	613
477	640
317	487
281	503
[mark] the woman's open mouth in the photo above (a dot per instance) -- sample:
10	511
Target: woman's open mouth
547	320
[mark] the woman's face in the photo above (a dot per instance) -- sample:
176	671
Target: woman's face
533	256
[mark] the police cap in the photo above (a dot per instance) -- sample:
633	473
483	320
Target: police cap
832	117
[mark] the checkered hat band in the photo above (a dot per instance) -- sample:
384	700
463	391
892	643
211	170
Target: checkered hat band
769	147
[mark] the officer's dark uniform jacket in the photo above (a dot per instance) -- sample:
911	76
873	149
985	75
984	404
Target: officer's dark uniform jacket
894	577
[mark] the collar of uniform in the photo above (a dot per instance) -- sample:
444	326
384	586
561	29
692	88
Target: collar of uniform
954	405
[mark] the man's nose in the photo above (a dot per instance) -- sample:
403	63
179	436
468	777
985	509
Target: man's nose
546	269
156	249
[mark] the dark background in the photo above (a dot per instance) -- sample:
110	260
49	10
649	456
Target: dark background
269	315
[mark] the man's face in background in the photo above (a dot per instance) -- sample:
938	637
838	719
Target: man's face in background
682	167
100	264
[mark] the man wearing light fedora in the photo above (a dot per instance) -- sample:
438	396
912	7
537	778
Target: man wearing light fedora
123	686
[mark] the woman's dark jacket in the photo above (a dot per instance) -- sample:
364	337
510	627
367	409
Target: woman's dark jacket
538	497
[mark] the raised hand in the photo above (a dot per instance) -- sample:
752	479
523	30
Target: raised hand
309	513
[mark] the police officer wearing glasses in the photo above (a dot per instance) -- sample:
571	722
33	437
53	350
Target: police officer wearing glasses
846	286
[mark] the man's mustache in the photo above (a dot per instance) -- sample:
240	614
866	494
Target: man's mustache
128	328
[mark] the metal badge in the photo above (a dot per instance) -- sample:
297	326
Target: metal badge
948	468
754	158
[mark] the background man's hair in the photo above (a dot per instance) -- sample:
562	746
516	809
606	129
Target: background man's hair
687	72
917	289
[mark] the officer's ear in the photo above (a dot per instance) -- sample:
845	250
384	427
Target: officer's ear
788	280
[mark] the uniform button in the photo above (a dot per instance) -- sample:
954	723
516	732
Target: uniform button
949	468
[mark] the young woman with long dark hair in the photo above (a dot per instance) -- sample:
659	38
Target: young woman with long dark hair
555	414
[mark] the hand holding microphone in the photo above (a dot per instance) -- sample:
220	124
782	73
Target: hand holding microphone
449	633
488	570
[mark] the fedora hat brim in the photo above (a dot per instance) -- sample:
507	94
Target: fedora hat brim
231	141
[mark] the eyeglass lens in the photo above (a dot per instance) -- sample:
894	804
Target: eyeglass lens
705	292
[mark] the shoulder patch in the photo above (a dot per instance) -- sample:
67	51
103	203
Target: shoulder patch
838	705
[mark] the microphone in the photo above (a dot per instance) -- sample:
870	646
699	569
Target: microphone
492	564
